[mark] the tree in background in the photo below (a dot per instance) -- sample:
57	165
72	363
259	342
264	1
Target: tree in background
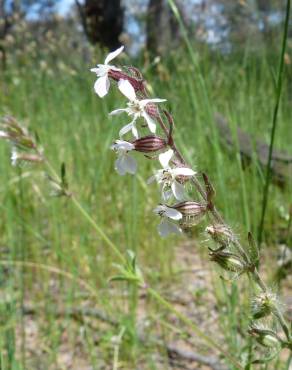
102	21
162	28
15	15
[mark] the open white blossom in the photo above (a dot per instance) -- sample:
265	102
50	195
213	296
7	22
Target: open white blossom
125	163
136	109
167	177
166	226
102	84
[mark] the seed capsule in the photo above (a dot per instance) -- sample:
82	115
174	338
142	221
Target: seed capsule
149	144
228	261
263	305
221	234
137	83
192	212
265	337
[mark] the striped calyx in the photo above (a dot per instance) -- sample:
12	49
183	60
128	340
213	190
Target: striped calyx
137	83
148	144
221	234
192	212
152	110
228	261
265	336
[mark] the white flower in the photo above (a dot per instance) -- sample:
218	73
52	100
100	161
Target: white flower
4	135
166	226
167	177
136	109
125	163
102	84
14	156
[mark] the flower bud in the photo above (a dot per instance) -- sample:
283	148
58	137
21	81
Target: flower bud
265	337
221	234
152	110
228	261
192	212
137	83
148	144
264	304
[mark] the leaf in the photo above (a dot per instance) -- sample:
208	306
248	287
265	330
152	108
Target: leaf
117	278
63	173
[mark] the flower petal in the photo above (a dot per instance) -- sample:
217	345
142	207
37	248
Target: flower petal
183	171
174	214
113	55
166	194
95	70
122	145
151	124
178	190
151	179
127	89
125	164
147	101
101	86
135	131
4	134
119	166
165	228
165	157
159	209
118	111
129	164
126	129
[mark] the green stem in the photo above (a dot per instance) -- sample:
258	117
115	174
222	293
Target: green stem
98	229
22	272
193	326
91	221
274	124
283	323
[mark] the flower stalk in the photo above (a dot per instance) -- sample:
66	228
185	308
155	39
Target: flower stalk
172	179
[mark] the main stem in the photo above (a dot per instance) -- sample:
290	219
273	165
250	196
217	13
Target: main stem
215	213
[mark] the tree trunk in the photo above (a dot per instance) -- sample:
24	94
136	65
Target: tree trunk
162	28
264	5
102	21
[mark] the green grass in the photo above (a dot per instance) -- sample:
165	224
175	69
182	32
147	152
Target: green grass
74	128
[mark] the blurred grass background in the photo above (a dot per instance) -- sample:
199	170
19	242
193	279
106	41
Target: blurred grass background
73	126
